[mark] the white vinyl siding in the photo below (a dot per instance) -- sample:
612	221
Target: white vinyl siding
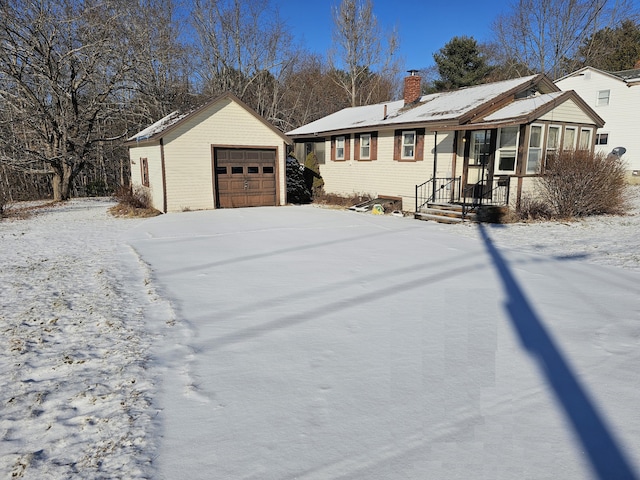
620	114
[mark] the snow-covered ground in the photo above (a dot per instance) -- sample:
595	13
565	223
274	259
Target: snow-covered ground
300	342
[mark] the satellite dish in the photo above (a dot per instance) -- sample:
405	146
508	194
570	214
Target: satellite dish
619	151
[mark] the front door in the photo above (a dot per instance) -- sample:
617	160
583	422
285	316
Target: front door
478	174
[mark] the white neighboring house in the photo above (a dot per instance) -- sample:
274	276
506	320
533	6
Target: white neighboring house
220	155
615	96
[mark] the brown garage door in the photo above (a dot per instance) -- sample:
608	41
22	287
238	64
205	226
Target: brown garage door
245	178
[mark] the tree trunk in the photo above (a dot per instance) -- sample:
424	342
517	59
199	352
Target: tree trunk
61	183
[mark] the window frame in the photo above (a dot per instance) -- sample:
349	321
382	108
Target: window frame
500	150
361	146
404	145
600	137
398	145
340	139
537	148
564	138
587	147
144	171
601	100
346	138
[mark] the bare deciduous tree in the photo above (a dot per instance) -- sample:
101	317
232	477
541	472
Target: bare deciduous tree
61	65
245	49
362	56
542	34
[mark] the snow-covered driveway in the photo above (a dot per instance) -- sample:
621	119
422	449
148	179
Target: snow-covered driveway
318	344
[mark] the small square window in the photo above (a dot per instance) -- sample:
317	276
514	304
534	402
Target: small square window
253	169
236	170
602	139
603	98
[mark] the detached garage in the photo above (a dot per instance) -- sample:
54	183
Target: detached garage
221	155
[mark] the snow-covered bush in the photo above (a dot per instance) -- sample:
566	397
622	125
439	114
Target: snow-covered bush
297	190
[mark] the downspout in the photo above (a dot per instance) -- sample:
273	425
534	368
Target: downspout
454	167
164	177
435	163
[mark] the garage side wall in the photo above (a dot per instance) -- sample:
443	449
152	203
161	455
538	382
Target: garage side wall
386	176
188	152
155	189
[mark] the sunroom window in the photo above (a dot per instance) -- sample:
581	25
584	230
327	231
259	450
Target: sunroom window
585	139
535	149
507	149
569	141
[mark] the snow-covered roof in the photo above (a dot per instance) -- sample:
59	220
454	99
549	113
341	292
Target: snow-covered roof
159	126
523	107
437	107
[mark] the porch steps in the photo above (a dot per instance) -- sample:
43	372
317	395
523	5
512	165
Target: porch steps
443	213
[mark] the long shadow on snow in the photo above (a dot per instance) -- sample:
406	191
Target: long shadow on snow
606	457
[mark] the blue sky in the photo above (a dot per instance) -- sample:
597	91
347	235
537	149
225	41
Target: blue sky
423	26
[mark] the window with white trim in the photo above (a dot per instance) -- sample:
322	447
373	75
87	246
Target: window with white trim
603	98
340	148
602	138
585	139
569	140
534	155
365	146
507	149
408	144
553	139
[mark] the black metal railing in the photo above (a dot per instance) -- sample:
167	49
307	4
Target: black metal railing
438	189
481	195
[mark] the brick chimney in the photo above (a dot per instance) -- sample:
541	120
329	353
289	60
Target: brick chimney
412	87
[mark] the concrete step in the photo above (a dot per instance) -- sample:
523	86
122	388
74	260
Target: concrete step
437	218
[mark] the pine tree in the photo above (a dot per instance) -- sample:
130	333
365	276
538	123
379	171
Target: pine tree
460	64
